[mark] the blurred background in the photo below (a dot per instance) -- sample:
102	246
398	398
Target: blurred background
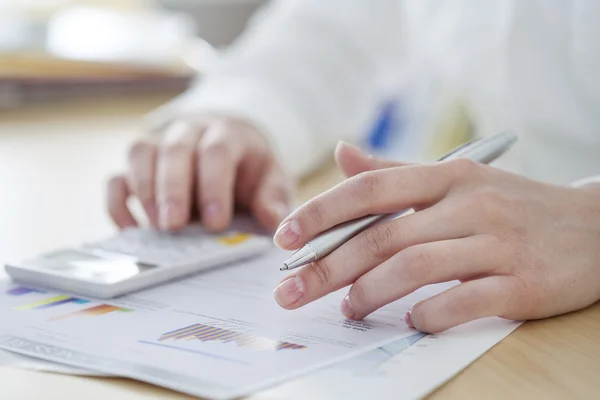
79	77
53	50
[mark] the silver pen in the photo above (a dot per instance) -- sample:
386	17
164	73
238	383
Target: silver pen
481	150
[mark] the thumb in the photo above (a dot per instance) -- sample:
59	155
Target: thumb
353	161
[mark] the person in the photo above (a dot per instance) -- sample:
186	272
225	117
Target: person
522	238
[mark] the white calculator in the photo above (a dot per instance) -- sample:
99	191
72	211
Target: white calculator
135	259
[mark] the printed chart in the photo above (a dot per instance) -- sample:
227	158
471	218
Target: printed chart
223	322
208	333
55	301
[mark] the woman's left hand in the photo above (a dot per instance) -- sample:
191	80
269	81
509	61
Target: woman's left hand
521	249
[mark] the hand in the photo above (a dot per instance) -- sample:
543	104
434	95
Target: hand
520	249
210	165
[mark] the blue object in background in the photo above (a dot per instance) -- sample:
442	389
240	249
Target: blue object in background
387	131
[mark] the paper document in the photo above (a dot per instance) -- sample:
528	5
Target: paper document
410	368
219	334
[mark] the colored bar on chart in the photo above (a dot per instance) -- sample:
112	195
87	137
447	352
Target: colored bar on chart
284	345
229	336
234	239
22	290
207	333
181	330
191	333
215	334
50	302
65	301
290	346
90	312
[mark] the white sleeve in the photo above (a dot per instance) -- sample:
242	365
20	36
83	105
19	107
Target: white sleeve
590	180
307	73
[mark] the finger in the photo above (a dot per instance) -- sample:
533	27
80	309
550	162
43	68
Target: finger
219	153
175	171
272	200
142	168
374	192
369	249
117	194
420	265
352	161
486	297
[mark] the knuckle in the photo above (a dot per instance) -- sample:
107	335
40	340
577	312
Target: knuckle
378	240
322	271
464	165
364	186
465	168
414	265
458	306
140	149
493	205
468	304
225	124
532	278
217	148
523	299
174	150
514	257
315	212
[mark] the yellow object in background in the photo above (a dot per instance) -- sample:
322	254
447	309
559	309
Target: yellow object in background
454	127
234	239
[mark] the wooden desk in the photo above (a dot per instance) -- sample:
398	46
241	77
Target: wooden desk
53	163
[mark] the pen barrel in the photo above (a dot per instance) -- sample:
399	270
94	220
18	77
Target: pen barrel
333	238
483	151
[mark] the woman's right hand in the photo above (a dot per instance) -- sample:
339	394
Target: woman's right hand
210	166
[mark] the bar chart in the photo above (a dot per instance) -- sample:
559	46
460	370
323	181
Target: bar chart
50	302
90	312
59	300
22	290
208	333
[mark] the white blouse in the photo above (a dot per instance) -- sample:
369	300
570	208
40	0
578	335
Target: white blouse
311	72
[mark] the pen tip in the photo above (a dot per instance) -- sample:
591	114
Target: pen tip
284	267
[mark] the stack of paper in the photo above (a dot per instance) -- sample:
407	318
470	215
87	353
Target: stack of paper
221	335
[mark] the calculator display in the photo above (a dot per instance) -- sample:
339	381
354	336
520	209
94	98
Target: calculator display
90	267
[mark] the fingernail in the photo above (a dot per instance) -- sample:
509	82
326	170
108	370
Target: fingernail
168	214
289	291
211	213
351	146
287	234
347	309
150	208
408	319
343	143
